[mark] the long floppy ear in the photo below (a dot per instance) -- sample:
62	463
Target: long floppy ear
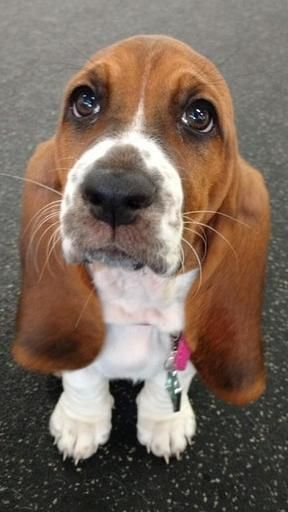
223	318
59	320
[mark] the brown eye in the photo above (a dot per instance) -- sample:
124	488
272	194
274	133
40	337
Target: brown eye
84	102
199	116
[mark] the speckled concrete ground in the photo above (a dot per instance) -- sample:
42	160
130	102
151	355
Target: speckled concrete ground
238	461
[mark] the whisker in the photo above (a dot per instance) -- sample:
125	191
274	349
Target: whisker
39	242
182	259
84	307
41	212
56	169
217	233
67	158
34	182
57	235
198	261
59	261
185	214
54	239
39	223
203	238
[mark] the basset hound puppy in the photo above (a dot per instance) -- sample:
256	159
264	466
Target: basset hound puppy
144	242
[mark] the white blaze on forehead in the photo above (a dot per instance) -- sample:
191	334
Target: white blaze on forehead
138	122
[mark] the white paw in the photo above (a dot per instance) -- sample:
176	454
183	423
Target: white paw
76	438
167	437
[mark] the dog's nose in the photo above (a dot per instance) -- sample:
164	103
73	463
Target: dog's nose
115	197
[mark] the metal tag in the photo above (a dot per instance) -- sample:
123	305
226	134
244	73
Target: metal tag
172	383
174	389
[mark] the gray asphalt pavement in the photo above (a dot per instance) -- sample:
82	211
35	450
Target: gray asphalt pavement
239	459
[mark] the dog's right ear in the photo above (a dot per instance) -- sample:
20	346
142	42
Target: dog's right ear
59	320
224	316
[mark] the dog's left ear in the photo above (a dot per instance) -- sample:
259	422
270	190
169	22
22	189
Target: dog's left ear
223	317
59	321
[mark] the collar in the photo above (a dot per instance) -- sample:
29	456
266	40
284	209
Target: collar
177	361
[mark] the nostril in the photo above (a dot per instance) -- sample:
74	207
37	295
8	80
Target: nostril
139	201
93	196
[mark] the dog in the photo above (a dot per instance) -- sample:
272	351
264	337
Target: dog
143	247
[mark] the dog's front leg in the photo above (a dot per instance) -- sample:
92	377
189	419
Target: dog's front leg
81	420
162	431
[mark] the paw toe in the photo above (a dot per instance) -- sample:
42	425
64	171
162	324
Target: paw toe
168	437
76	438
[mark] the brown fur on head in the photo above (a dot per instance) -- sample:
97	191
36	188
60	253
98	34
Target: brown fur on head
222	193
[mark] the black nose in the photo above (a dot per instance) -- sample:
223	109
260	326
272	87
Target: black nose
115	197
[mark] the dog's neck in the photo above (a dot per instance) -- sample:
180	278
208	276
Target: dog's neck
142	297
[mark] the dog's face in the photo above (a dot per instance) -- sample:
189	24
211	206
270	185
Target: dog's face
147	135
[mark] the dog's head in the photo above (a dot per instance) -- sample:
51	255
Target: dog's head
146	135
144	170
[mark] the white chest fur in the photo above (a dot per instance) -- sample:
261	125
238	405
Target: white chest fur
140	310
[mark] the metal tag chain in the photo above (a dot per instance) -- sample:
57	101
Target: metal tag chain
172	383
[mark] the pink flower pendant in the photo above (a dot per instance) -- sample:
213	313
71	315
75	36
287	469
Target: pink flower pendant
182	355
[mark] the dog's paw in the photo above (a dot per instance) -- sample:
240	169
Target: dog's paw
169	436
75	438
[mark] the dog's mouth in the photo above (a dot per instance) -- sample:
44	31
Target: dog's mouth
128	250
113	256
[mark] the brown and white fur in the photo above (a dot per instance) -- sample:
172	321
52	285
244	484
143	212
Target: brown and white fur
101	301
